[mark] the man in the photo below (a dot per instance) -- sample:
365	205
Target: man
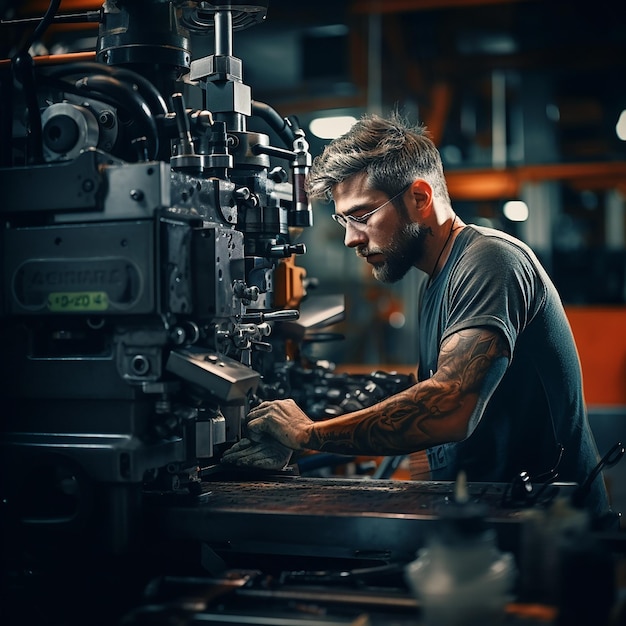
499	386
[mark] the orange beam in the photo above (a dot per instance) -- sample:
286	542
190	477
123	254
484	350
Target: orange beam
553	171
358	54
482	184
436	113
57	59
601	341
395	42
39	7
490	184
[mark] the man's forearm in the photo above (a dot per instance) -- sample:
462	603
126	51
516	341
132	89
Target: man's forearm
438	410
424	415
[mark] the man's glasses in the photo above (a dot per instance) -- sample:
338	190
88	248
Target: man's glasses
343	220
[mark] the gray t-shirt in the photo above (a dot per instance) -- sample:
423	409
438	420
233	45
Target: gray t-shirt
494	280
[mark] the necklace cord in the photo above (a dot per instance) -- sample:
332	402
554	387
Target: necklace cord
445	243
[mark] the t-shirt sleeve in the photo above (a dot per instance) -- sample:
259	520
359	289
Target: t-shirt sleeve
495	284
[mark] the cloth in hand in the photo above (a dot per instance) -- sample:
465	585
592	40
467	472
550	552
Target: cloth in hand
266	453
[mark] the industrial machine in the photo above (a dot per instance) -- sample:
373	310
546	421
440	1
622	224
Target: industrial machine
149	289
142	259
146	259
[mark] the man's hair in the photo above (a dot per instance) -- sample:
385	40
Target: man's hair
391	152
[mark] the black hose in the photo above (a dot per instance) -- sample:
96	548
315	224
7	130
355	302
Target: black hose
129	99
275	121
41	28
22	64
24	73
294	122
117	95
153	97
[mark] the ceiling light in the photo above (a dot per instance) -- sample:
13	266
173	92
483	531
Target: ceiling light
331	127
515	210
397	319
620	127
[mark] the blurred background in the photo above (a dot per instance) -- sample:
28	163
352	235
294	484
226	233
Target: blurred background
526	100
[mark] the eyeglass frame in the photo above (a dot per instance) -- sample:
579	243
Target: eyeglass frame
343	220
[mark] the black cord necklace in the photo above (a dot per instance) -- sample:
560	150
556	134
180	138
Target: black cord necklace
430	278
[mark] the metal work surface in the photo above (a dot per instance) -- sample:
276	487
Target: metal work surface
344	497
381	520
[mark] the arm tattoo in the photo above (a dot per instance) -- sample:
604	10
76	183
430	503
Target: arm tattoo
431	412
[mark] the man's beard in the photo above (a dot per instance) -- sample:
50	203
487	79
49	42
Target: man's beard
401	255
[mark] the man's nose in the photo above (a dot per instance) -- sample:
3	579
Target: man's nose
354	235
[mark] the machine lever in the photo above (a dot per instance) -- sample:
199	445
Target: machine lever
186	146
273	316
86	17
611	458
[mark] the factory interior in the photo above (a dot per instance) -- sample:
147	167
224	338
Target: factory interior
167	142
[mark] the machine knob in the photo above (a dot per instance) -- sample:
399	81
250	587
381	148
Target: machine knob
286	250
278	175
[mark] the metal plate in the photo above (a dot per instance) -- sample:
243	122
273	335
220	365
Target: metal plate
379	520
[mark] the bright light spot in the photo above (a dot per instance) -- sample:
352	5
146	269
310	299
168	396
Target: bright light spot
553	113
331	127
451	154
620	128
397	319
330	30
515	210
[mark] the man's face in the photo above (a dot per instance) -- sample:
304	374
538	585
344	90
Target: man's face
389	241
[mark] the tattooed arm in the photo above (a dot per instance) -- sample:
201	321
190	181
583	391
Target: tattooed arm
446	407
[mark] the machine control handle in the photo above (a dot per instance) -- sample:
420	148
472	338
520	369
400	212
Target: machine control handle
271	316
185	141
286	250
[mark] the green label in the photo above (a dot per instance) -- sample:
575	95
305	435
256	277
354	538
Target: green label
76	302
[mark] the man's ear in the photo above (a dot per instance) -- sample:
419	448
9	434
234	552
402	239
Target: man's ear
422	197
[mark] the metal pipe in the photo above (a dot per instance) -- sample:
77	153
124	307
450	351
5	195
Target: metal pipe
223	33
498	120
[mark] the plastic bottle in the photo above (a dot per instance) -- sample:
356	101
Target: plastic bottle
460	577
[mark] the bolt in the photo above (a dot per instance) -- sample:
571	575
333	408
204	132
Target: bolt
140	365
106	119
178	336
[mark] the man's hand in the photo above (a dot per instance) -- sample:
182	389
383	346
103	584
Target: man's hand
283	420
274	430
266	454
